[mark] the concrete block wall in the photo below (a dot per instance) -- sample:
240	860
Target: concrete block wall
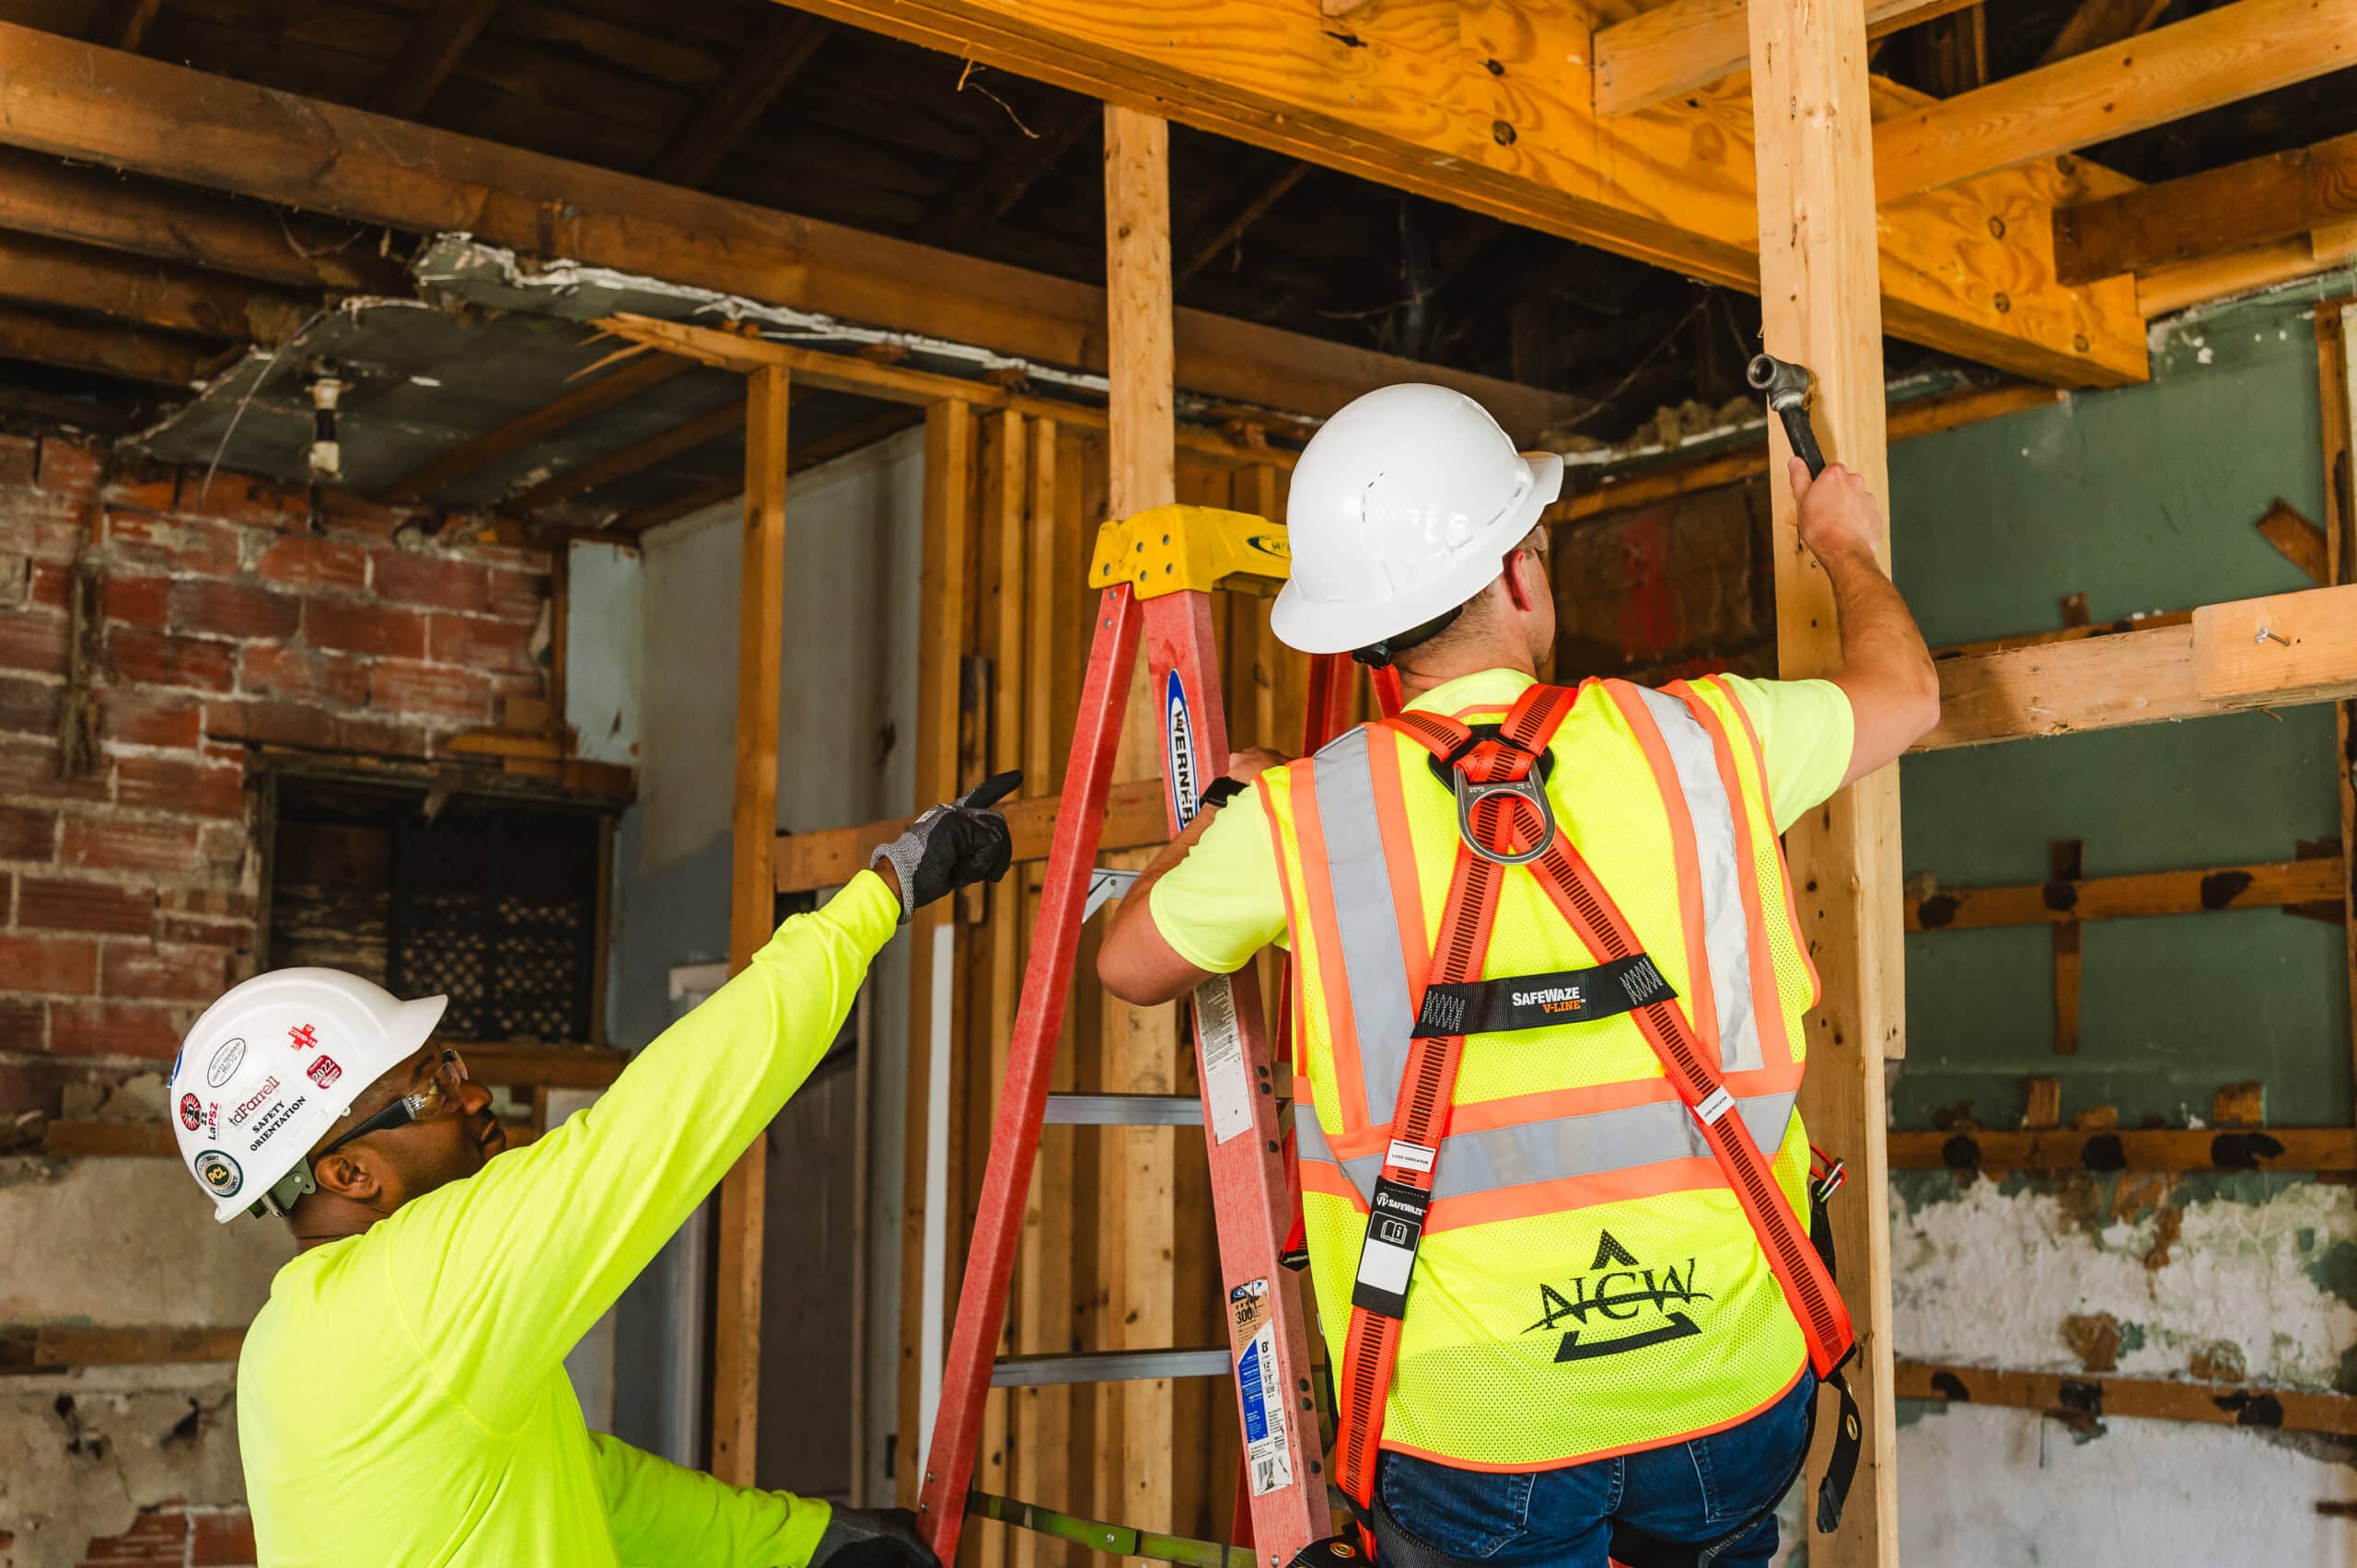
216	617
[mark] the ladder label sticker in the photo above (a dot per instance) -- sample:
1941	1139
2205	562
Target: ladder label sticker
1405	1155
1227	1087
1253	1332
1178	732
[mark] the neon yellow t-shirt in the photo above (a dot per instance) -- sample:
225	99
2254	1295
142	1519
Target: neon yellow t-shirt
1224	904
401	1397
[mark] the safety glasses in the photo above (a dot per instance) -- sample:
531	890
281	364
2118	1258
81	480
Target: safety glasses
439	1093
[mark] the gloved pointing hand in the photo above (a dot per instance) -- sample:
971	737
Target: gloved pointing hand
874	1537
952	846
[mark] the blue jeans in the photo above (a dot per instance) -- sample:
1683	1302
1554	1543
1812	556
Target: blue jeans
1696	1491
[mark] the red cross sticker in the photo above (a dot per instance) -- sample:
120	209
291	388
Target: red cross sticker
303	1037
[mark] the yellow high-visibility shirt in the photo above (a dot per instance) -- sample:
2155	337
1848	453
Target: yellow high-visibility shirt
401	1398
1223	902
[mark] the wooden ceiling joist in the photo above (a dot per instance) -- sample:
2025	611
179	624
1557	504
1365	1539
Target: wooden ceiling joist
68	99
730	109
1487	109
634	377
685	436
2099	24
41	196
1671	49
1235	228
2220	57
138	292
126	353
2211	213
441	36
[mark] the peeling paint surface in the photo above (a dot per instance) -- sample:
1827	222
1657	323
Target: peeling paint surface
82	1453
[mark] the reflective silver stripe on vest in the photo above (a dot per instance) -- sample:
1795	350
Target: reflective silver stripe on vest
1727	932
1593	1145
1376	969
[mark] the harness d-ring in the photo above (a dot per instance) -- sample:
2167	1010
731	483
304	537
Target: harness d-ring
1531	790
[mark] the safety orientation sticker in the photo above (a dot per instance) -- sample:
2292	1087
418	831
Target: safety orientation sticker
1253	1333
1227	1087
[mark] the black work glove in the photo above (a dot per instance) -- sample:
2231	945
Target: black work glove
952	846
873	1537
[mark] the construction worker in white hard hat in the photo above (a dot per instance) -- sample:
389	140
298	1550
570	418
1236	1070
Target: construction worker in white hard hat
401	1398
1549	991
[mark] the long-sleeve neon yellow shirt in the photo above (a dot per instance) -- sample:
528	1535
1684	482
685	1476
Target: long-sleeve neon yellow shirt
401	1398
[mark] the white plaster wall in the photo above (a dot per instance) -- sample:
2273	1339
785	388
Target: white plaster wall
601	682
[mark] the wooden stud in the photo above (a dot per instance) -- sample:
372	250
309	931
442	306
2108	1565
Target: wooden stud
209	132
2081	1399
1954	52
752	909
1819	295
1667	50
2044	1110
441	36
2065	869
2239	1105
2336	389
2301	543
615	386
730	109
2068	899
130	354
2101	1146
2218	57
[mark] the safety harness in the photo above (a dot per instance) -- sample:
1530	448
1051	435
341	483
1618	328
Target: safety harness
1504	820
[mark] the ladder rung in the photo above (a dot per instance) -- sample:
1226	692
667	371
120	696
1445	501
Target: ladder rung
1125	1111
1108	1366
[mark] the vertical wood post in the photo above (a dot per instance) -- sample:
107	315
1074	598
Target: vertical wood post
1142	1042
2337	377
752	905
1821	300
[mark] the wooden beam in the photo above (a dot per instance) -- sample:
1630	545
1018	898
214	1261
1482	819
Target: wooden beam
69	100
730	108
55	201
1518	141
1820	307
752	909
52	1347
2147	621
2211	213
2337	397
2235	51
1235	228
1617	490
2099	24
2065	900
685	436
2301	542
1134	816
1954	52
124	23
441	36
617	385
129	354
1668	50
2062	1150
2085	1399
2166	289
2217	664
137	292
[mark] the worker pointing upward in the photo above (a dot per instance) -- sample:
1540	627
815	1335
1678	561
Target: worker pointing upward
401	1398
1550	994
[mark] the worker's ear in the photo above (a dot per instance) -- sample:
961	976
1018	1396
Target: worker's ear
354	1174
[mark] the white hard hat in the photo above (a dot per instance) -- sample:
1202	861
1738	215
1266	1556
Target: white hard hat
272	1065
1403	506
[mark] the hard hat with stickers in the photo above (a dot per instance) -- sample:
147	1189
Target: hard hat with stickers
272	1066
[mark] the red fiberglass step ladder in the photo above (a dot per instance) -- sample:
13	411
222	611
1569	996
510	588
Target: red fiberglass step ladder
1156	570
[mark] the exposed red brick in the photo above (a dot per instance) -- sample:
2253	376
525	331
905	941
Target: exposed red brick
364	628
46	583
24	1026
438	581
114	1029
65	964
235	611
45	528
144	492
271	722
138	601
30	767
229	935
190	785
57	903
19	460
104	844
33	640
158	658
385	738
448	693
143	971
143	715
306	560
482	644
27	834
223	845
516	595
29	707
68	466
140	542
175	1535
225	901
280	671
239	498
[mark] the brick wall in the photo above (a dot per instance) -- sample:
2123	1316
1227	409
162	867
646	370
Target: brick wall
1678	588
217	622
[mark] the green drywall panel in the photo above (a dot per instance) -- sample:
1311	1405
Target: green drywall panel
2143	499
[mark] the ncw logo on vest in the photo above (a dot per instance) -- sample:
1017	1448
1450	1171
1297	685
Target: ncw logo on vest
1617	1290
